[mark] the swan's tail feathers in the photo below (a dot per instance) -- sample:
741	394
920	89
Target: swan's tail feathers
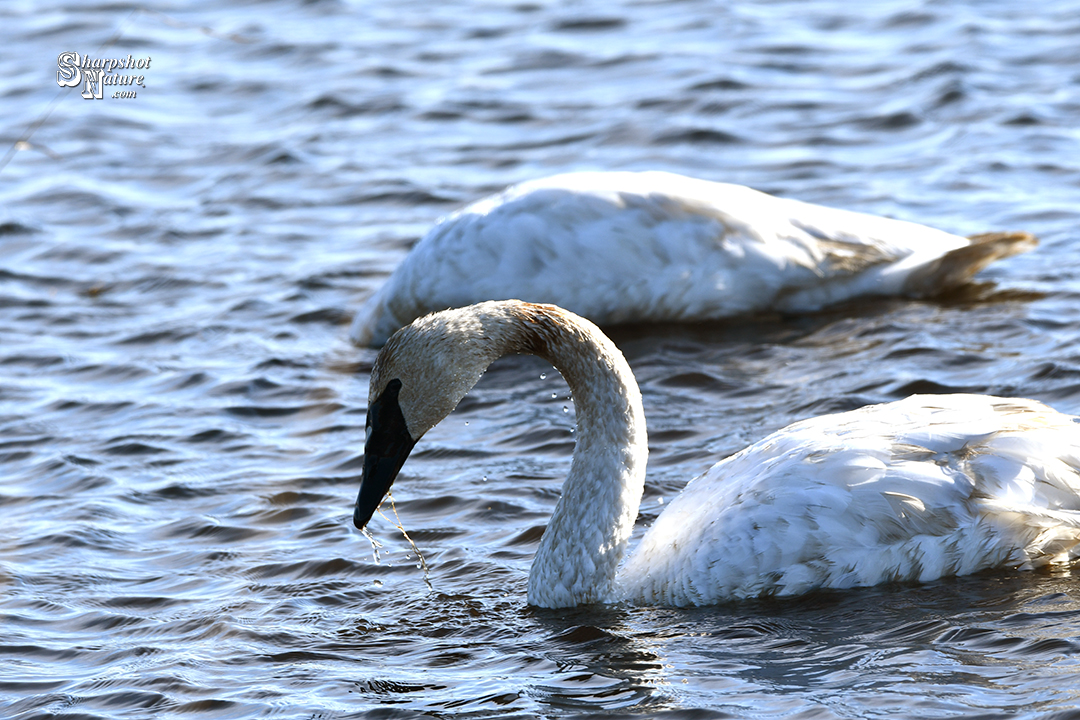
956	267
1057	532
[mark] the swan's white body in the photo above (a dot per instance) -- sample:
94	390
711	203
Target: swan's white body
655	246
917	489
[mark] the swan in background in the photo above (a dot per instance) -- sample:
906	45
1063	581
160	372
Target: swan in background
654	246
917	489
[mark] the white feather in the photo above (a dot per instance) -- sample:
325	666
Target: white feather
655	246
913	490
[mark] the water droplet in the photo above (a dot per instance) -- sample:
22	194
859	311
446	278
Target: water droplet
485	478
378	583
565	409
543	376
375	544
466	422
554	395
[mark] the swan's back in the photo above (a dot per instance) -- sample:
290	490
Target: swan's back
655	246
914	490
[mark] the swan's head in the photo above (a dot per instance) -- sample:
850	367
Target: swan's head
419	377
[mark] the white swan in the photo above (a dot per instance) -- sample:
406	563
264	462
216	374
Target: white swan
912	490
654	246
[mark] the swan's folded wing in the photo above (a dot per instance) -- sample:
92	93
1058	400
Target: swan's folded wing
913	490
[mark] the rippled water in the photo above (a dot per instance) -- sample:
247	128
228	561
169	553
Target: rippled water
181	417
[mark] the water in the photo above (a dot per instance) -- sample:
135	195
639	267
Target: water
181	418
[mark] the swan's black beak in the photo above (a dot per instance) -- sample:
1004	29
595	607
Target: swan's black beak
388	445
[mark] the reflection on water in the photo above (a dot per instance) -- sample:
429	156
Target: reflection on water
181	419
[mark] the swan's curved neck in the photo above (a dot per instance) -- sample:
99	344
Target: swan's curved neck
587	535
425	369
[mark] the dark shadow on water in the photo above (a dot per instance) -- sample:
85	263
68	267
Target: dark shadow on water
604	663
773	327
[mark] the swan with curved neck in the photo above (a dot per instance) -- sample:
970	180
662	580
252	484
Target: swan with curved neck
913	490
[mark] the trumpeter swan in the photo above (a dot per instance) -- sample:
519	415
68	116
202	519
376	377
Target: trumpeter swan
918	489
654	246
